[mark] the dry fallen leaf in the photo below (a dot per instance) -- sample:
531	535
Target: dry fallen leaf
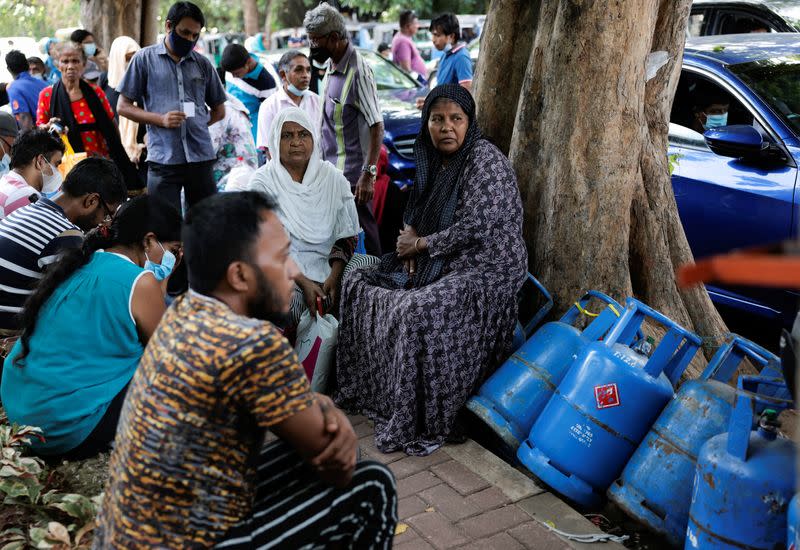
430	509
400	529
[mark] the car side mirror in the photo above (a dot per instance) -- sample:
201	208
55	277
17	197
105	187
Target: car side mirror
738	141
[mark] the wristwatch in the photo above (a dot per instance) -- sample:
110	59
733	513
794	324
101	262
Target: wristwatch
370	169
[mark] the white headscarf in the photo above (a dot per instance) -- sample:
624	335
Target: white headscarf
319	210
128	129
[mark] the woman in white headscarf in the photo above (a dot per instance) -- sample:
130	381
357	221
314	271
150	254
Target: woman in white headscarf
315	205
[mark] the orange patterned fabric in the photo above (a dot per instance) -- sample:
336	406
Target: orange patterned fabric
209	384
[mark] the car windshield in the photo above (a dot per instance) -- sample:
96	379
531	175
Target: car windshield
789	10
387	75
777	82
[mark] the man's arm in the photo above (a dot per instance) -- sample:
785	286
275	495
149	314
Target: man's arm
217	114
126	108
365	188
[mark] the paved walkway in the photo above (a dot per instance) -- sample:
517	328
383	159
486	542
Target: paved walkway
463	496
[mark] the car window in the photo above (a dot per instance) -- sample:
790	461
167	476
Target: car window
777	82
733	21
697	96
697	23
387	75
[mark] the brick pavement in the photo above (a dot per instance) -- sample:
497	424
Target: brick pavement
462	496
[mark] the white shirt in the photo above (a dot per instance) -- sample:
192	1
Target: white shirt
271	106
14	193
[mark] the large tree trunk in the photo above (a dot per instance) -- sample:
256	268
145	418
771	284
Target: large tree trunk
108	19
251	19
589	146
268	22
505	48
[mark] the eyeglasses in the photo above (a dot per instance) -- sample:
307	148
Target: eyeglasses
109	217
314	41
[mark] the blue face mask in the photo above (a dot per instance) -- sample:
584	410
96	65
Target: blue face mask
447	47
716	121
295	90
252	75
90	49
164	269
5	164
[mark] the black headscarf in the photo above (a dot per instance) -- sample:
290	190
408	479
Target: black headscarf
434	198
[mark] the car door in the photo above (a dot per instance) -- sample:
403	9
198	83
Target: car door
726	203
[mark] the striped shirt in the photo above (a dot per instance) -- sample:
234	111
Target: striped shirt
31	238
349	108
14	193
210	383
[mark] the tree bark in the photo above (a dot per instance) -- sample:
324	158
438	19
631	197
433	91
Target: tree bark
267	21
108	19
251	19
589	145
505	48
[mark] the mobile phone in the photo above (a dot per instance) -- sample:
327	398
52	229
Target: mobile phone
56	128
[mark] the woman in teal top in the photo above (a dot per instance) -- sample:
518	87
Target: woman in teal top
85	327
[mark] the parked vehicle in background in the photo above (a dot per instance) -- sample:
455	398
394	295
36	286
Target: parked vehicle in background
397	93
714	17
737	185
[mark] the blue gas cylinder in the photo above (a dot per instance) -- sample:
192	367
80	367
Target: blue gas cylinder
793	524
604	406
743	482
528	320
656	485
511	399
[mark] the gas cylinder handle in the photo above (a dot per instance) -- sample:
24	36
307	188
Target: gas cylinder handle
674	351
730	355
544	310
741	423
602	321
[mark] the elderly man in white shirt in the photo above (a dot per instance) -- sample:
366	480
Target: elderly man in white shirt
295	72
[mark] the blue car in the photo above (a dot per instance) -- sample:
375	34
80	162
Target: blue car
736	180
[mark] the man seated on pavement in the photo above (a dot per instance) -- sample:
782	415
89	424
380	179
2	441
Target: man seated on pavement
189	466
35	157
295	71
36	235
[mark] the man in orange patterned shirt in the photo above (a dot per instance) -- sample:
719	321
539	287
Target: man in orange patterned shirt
189	468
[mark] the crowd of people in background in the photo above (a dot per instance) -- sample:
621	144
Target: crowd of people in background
149	296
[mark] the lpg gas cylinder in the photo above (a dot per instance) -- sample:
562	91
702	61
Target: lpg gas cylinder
656	485
511	399
528	319
743	482
605	405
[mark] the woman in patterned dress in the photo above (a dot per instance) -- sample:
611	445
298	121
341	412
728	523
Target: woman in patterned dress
83	109
421	331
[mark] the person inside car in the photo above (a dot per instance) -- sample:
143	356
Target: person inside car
711	111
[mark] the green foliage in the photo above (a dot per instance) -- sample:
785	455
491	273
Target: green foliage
37	18
673	161
33	511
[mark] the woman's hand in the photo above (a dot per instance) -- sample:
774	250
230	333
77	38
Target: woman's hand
410	266
334	282
311	291
409	244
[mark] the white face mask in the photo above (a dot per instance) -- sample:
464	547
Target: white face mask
5	164
51	182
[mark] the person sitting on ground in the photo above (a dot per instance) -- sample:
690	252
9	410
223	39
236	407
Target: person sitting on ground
189	466
35	235
84	110
421	331
8	134
35	157
295	71
23	91
315	205
250	82
233	141
85	327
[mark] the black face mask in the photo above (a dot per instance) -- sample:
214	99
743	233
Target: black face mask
320	54
179	45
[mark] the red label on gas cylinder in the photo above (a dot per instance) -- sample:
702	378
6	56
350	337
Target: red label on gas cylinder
606	396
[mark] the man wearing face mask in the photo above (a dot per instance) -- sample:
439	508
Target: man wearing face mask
352	122
8	133
711	111
23	92
295	71
178	95
35	157
248	80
